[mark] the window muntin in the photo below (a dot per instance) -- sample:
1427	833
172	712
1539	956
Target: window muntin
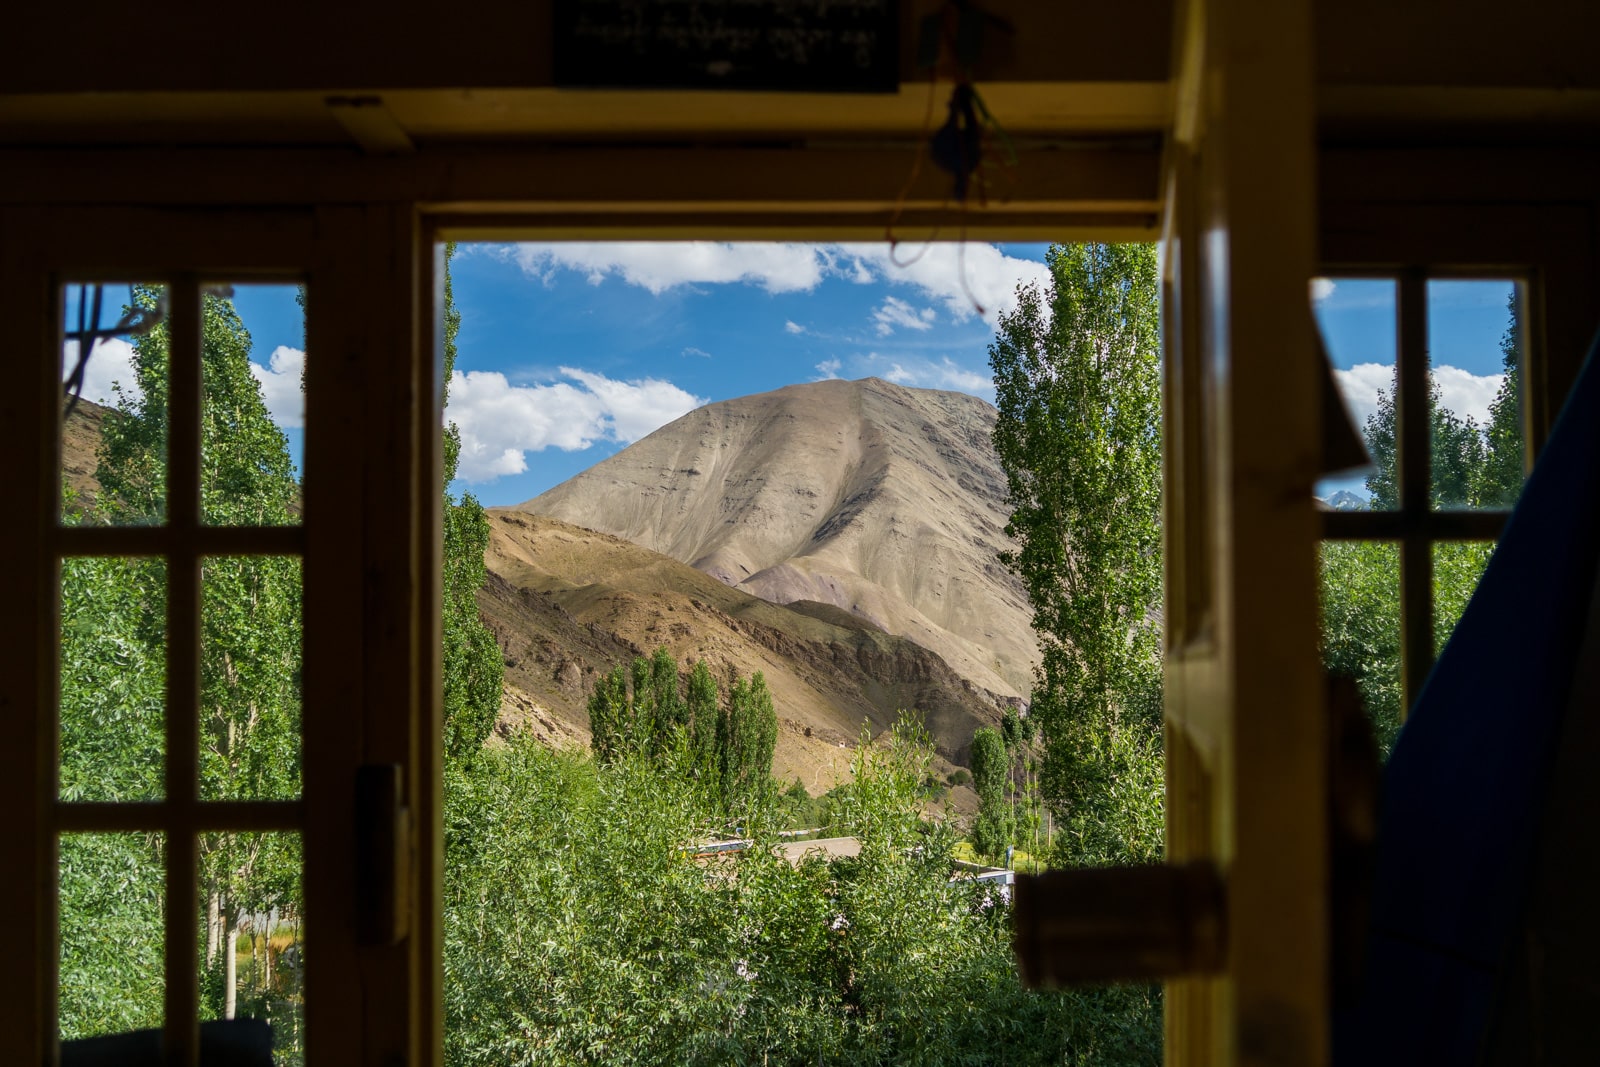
1442	483
141	808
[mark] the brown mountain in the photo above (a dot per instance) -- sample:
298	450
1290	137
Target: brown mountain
80	443
882	501
567	604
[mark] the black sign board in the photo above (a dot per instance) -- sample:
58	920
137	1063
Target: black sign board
799	45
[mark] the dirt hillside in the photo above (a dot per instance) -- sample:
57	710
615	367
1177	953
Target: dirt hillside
882	501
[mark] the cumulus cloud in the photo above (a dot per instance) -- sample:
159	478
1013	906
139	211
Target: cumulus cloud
777	267
1322	288
962	278
280	385
501	422
829	368
1463	392
896	313
110	364
955	275
944	373
793	327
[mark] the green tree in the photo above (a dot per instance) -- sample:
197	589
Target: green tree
1472	466
473	666
609	713
746	736
991	767
1500	479
1077	385
249	713
700	705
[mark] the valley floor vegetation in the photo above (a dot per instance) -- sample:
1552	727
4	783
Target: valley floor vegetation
582	927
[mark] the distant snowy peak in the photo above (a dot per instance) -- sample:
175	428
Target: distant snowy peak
1343	500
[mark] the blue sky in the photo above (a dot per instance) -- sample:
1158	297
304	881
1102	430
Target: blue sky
1466	320
569	352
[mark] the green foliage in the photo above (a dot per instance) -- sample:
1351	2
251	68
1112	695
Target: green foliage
724	748
473	667
1472	467
111	933
1456	451
747	733
1360	587
113	656
1077	385
991	766
1499	480
700	705
113	678
579	929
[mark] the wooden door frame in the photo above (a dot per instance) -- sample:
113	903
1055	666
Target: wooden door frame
359	564
1246	734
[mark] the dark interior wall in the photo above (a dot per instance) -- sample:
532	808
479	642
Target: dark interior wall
1484	43
188	45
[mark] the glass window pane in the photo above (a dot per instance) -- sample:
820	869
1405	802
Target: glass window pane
253	341
114	429
1475	415
113	678
250	678
1361	626
111	933
1358	319
252	941
1457	566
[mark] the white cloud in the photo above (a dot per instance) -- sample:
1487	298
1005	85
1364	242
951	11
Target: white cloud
1322	288
1463	392
991	276
281	385
501	422
662	265
944	373
1360	386
700	352
897	313
946	272
793	327
829	368
110	363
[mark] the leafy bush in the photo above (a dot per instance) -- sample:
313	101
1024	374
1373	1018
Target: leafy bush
581	929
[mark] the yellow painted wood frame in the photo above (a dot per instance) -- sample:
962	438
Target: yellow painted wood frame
1245	721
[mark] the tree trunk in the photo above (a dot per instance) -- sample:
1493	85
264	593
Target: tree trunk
213	927
230	968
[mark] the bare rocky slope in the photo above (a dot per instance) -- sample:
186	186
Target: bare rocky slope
884	502
568	603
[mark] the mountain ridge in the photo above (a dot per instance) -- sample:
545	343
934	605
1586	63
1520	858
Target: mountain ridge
880	500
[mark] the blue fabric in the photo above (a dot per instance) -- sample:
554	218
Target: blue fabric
1465	786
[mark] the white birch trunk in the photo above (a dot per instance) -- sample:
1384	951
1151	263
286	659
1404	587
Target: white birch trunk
230	968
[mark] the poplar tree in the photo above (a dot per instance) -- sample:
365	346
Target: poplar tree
473	667
1077	386
990	774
